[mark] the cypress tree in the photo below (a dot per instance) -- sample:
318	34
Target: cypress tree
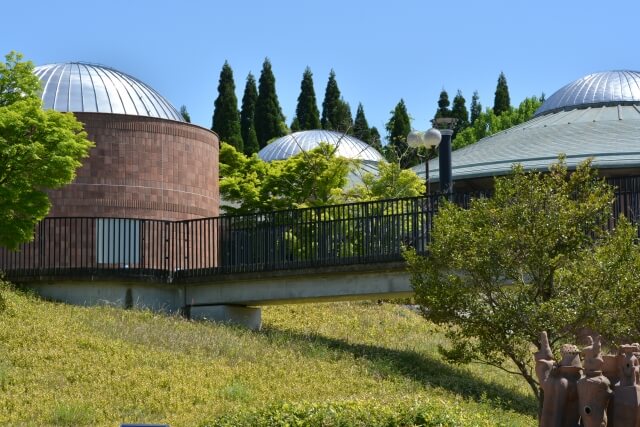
376	139
501	102
247	116
307	114
336	112
185	114
460	113
398	127
226	118
269	120
443	105
476	108
361	126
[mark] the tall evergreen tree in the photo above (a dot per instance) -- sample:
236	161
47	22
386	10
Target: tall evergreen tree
476	108
185	114
460	113
443	105
247	116
336	112
226	118
398	127
269	120
376	139
501	102
307	114
361	126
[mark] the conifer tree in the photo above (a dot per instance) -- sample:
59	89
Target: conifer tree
336	113
443	105
269	120
501	102
376	139
307	114
226	118
476	108
460	113
185	114
247	116
398	127
361	126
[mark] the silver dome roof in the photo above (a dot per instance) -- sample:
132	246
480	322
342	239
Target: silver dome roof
89	88
595	90
347	146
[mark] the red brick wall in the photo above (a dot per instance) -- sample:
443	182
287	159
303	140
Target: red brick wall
143	167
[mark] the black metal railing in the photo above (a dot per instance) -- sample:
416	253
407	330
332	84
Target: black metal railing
357	233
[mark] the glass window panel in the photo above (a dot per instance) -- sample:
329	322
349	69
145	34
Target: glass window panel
75	89
88	92
62	95
115	103
51	88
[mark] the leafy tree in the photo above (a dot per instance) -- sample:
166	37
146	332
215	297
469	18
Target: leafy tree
391	182
226	118
269	120
307	114
488	123
514	264
185	114
398	127
336	113
443	105
361	128
39	150
247	116
460	113
476	108
306	179
501	102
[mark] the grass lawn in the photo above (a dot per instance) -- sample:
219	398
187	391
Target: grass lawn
66	365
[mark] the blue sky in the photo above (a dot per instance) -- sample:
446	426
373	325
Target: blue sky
380	51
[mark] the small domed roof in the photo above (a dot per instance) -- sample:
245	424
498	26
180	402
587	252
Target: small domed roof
347	146
595	90
80	87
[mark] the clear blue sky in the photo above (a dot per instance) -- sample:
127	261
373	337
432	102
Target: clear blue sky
381	51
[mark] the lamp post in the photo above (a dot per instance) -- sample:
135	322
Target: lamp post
429	139
439	135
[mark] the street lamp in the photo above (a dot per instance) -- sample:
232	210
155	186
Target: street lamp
429	139
439	135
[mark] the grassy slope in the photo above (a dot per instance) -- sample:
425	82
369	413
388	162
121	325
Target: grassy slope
65	365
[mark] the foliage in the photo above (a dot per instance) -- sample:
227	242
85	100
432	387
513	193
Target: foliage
475	109
488	123
460	113
376	139
359	413
132	366
501	101
269	120
510	266
306	179
307	114
39	150
247	117
361	128
336	113
391	182
226	118
185	114
443	105
398	127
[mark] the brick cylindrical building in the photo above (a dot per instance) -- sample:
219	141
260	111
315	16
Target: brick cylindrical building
147	161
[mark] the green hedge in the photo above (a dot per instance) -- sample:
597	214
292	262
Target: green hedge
360	413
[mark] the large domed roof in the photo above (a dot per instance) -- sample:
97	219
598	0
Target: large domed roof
595	90
347	146
80	87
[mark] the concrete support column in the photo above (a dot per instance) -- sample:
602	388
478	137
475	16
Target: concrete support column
249	317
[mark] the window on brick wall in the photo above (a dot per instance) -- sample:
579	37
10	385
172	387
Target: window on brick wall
118	242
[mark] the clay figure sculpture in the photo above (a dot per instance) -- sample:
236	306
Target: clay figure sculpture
594	389
560	407
626	394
